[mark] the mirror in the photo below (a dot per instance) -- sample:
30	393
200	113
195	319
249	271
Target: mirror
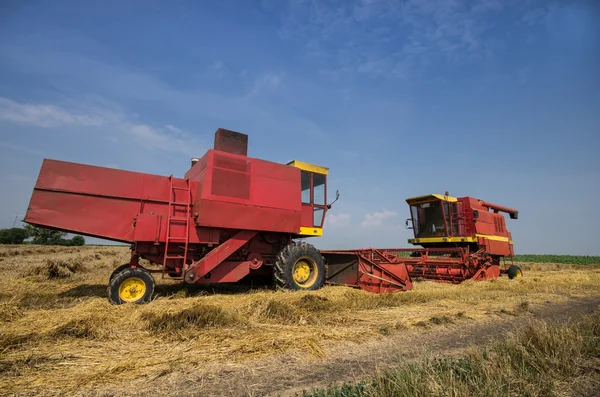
337	196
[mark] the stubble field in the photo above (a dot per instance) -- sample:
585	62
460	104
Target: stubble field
59	335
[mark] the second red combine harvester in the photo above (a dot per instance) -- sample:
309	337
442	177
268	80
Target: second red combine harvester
461	239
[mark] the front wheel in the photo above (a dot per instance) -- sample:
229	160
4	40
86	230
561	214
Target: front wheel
131	285
300	266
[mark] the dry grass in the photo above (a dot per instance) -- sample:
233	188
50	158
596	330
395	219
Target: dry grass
59	334
539	360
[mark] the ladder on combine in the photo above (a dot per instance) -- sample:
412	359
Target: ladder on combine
181	220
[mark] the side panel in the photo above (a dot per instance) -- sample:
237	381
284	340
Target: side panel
486	223
103	217
101	181
495	247
235	216
239	192
98	201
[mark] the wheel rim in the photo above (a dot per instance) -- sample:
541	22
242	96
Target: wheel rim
132	289
519	273
305	272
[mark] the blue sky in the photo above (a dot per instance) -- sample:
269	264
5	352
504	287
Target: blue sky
498	100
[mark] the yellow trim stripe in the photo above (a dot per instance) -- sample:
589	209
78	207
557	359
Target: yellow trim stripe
309	167
458	239
495	238
443	240
311	231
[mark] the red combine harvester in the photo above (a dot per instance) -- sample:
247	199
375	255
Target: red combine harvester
462	238
231	216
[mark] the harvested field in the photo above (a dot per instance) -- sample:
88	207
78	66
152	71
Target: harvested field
59	334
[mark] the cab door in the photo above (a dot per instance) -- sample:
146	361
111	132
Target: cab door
314	203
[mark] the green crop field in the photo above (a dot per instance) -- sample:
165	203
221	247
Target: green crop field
563	259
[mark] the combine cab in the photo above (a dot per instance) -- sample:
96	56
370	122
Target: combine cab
230	217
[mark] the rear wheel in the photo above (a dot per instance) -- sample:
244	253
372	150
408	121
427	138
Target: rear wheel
131	285
300	266
514	272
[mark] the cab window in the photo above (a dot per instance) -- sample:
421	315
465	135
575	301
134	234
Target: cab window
318	216
429	220
305	176
319	189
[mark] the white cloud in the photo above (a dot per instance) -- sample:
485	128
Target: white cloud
268	82
49	116
157	138
218	65
170	138
377	218
337	220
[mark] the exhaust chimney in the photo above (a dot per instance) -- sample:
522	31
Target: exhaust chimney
194	161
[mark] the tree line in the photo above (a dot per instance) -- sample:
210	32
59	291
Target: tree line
38	235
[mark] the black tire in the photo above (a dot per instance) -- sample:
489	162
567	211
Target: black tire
514	271
303	255
138	278
118	270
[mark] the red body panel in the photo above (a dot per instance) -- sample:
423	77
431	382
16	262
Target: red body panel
489	224
238	192
108	203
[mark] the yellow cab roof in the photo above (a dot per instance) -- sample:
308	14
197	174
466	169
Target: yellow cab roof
309	167
429	198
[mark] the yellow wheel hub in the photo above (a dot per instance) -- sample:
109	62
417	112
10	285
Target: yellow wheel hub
305	272
519	273
132	289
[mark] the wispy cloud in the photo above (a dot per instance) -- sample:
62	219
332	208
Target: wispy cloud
267	83
377	218
99	119
23	149
387	38
250	103
164	139
49	116
337	220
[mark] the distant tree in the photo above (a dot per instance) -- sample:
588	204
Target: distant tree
15	235
77	240
45	236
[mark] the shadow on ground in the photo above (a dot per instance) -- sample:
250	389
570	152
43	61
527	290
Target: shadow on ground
179	289
85	291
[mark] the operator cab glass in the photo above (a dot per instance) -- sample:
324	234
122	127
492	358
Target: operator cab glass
313	196
428	219
313	193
